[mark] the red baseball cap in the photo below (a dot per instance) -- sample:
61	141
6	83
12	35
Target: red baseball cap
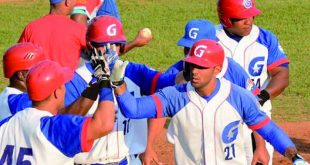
21	56
45	77
206	53
105	29
227	9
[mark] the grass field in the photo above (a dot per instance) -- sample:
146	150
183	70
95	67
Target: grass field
288	19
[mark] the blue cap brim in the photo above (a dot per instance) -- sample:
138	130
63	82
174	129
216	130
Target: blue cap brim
185	43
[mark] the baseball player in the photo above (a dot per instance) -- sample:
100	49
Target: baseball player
61	38
17	60
207	113
128	138
257	50
36	136
194	31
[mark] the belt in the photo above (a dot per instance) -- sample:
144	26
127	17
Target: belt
121	162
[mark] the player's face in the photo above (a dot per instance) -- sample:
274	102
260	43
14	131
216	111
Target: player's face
117	46
201	77
241	27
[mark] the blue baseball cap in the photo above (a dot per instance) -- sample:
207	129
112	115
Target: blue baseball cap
55	1
196	30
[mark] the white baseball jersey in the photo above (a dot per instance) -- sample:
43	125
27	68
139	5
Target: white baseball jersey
5	110
34	136
203	130
257	53
128	137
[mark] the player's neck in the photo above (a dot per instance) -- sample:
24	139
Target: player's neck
58	10
46	105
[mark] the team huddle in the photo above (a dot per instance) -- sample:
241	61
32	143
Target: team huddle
71	99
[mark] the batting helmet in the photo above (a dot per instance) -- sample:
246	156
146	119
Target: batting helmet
105	29
21	56
227	9
44	78
206	53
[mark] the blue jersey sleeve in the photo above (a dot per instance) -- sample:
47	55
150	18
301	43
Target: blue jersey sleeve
248	107
67	133
136	108
237	75
276	55
175	68
170	100
163	103
18	102
276	136
148	79
74	89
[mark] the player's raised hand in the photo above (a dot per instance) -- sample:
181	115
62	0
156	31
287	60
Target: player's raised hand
118	73
111	55
100	65
143	37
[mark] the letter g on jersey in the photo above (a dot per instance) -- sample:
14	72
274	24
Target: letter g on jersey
193	33
111	30
256	66
230	132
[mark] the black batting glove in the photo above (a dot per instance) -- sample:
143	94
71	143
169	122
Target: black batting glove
263	96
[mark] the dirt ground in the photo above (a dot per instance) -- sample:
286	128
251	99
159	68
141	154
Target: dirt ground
299	132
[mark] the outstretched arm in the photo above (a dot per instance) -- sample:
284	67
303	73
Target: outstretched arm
143	37
279	140
135	108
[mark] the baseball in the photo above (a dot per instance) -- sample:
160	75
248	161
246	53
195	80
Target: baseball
146	32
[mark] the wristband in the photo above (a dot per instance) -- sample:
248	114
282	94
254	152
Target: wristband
263	97
91	92
106	94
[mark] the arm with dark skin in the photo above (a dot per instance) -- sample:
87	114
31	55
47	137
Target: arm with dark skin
279	81
79	107
139	41
79	18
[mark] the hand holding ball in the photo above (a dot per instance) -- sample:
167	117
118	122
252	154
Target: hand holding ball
143	37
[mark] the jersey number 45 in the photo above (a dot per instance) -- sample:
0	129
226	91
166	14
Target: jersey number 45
7	155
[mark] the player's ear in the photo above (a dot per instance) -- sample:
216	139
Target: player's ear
217	69
58	92
21	75
69	3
